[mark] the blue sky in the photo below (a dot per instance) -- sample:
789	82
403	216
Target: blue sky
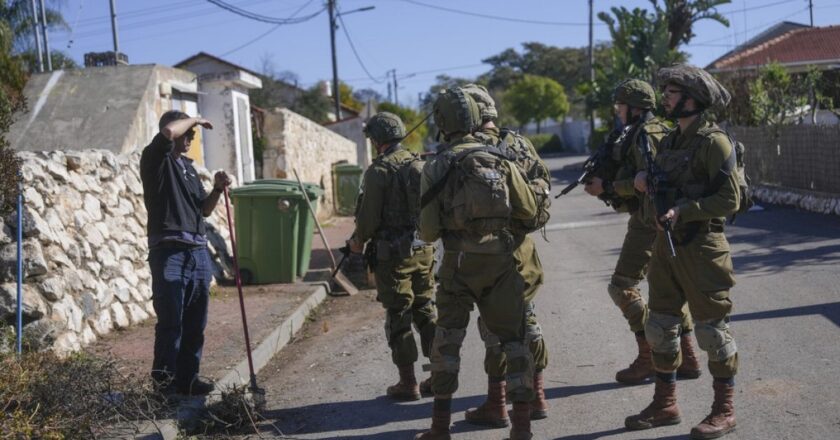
418	38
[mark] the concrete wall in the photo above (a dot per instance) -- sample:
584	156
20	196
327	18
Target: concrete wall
111	108
295	142
352	129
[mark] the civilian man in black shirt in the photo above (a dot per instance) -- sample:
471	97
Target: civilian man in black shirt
181	270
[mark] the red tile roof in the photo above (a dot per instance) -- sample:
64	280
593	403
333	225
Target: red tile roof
800	46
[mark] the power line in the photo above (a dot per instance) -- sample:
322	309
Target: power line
496	17
355	53
263	18
753	8
760	26
266	33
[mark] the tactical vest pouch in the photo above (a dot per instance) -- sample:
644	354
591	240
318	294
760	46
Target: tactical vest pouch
478	198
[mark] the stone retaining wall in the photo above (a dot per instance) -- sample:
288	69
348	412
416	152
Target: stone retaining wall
85	269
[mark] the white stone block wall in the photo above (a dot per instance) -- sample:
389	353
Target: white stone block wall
295	142
85	247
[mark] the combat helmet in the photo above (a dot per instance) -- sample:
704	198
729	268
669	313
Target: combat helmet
635	93
699	84
485	102
455	112
384	127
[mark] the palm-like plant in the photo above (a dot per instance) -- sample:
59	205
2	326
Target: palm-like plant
682	14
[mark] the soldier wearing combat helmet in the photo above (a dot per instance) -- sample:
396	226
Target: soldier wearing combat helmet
699	162
471	191
634	103
493	412
386	219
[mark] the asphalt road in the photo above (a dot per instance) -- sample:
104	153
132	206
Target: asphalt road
330	383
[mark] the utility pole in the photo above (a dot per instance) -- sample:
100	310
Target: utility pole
336	97
390	97
114	31
36	29
591	68
396	96
811	9
46	36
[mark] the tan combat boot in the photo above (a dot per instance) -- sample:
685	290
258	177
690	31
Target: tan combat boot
721	420
406	388
690	367
441	418
539	407
662	411
493	412
642	367
521	429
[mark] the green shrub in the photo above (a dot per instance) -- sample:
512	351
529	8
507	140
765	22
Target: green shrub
546	143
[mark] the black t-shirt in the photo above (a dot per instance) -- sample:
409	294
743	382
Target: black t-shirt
172	192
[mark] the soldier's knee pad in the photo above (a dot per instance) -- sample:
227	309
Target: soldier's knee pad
446	349
714	338
491	342
663	333
628	299
520	371
533	332
397	322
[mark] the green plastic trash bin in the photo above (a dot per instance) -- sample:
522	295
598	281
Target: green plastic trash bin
306	224
347	179
267	226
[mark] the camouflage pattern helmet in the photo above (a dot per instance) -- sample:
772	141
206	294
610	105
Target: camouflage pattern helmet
456	112
384	127
486	104
635	93
698	83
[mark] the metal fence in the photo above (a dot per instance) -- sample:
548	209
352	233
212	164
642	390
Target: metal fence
805	157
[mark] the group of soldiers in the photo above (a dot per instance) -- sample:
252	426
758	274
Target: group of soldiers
486	189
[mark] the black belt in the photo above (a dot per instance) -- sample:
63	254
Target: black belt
175	244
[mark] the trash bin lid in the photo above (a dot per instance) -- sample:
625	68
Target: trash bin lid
347	168
313	190
266	190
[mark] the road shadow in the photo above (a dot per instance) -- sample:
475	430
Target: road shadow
602	434
830	311
364	414
775	259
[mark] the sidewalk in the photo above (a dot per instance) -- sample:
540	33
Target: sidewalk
275	313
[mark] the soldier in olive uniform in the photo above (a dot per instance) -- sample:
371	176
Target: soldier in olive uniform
493	412
634	102
470	195
702	189
386	219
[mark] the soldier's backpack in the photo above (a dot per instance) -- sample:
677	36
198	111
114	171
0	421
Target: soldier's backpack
739	169
474	189
535	173
403	195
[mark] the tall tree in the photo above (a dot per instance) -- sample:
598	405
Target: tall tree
681	15
18	15
536	98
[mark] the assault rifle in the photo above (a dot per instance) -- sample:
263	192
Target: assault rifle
593	164
657	189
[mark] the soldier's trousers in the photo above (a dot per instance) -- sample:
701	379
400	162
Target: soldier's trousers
529	266
405	289
493	283
700	276
629	272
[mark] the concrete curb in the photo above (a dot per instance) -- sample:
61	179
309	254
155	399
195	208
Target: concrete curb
272	343
190	409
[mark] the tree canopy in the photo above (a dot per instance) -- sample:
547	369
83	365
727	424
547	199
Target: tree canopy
536	98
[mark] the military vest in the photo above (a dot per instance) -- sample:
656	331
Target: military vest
532	168
627	159
687	176
401	207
